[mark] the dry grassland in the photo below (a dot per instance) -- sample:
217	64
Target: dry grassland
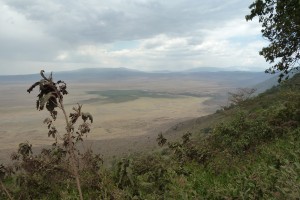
116	126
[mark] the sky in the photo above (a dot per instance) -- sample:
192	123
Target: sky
147	35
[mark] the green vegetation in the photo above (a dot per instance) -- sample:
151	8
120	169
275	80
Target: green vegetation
120	96
281	26
248	151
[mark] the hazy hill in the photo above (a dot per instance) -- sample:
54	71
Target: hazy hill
238	78
208	69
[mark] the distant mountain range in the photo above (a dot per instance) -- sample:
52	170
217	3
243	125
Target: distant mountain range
108	73
244	78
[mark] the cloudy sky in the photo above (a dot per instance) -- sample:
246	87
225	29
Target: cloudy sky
175	35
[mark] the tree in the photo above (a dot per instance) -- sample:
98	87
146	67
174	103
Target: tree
280	21
240	95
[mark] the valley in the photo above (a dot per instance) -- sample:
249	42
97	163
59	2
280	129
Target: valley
128	111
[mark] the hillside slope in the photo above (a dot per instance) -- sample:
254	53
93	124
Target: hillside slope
249	151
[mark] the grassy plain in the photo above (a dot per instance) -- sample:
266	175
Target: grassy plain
128	114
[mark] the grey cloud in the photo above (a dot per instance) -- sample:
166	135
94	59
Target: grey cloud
89	21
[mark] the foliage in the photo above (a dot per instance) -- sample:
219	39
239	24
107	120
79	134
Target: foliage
25	149
187	150
161	140
281	26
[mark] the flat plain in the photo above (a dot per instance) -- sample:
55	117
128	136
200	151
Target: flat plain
128	113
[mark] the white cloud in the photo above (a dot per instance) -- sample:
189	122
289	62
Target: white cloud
62	56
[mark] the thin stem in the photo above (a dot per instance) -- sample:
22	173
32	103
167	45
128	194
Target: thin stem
71	150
